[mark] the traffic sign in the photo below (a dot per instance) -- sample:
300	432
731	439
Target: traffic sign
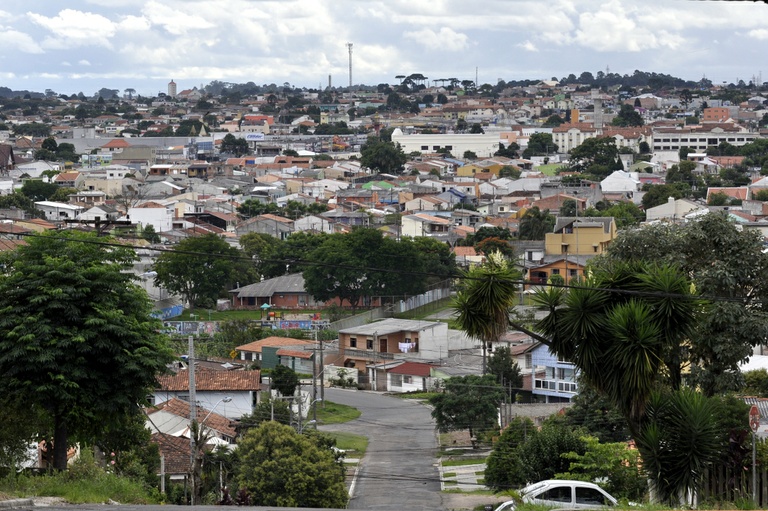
754	418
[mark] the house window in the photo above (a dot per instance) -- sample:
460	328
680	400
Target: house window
555	271
528	361
396	380
369	344
407	379
449	147
425	148
353	342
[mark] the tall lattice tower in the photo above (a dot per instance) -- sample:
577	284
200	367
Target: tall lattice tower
349	47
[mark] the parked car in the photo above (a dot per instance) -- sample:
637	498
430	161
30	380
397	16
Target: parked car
563	494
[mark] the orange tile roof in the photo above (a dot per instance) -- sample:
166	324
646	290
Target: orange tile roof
273	341
118	143
207	380
294	353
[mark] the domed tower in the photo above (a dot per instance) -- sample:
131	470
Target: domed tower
172	89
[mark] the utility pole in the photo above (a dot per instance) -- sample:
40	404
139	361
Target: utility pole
192	416
349	47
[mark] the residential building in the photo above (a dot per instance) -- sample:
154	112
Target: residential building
554	380
212	386
580	236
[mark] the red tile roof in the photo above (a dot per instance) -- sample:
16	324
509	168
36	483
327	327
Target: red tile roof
412	369
206	380
180	408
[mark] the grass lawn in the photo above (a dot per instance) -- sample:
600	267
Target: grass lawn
549	169
415	395
449	474
329	412
463	462
354	445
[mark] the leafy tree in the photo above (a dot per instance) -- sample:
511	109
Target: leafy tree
542	454
235	145
62	194
21	426
553	121
383	157
627	116
598	156
512	150
644	147
469	155
37	190
468	402
718	199
535	224
539	144
761	195
34	129
593	412
199	269
756	383
504	469
361	264
476	128
484	299
282	468
49	144
490	245
503	366
656	195
149	234
284	380
510	172
18	200
439	262
77	337
269	409
615	464
723	262
568	208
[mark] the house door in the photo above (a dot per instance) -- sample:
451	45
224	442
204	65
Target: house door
382	345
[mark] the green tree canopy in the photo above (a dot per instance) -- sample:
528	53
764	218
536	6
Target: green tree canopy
77	336
535	224
38	190
503	366
383	157
468	402
627	116
200	268
598	156
235	145
281	468
363	264
284	380
540	144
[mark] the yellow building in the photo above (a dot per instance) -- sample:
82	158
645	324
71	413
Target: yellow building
581	236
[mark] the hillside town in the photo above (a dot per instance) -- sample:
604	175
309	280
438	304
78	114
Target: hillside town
436	182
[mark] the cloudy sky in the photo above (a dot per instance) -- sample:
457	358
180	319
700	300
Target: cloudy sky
82	45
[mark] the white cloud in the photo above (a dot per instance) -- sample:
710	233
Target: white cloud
18	41
176	21
83	62
759	33
528	46
73	29
613	27
445	39
134	23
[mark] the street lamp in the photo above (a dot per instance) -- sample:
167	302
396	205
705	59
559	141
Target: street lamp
196	430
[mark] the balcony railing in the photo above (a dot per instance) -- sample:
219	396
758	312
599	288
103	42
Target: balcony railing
556	386
368	354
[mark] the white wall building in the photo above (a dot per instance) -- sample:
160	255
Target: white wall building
482	144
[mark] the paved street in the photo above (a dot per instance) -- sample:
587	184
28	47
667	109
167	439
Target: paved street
399	470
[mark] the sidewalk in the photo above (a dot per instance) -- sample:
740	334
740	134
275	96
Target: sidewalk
467	478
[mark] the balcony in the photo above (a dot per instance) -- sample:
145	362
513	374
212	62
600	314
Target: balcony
556	386
368	354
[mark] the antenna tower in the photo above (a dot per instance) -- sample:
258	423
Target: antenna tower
349	47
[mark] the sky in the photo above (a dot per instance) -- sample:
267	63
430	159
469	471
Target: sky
76	46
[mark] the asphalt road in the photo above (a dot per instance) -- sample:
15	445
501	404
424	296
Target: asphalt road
399	470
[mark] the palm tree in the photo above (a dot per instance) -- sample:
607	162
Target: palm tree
483	302
625	329
535	224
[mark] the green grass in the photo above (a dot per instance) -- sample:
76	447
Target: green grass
549	169
425	311
355	445
449	474
329	412
450	483
414	395
463	462
94	487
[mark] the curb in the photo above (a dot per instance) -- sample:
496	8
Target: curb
14	503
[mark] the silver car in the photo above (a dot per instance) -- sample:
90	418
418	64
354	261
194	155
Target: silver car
564	494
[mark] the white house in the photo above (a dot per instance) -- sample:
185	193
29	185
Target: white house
621	182
313	223
58	211
159	216
240	389
674	210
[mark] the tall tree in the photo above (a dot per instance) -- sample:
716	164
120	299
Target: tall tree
281	468
535	224
77	336
381	156
484	300
199	268
504	367
468	402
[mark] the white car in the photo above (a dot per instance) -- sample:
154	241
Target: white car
563	493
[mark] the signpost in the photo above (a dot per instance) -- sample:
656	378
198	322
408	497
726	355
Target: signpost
754	424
